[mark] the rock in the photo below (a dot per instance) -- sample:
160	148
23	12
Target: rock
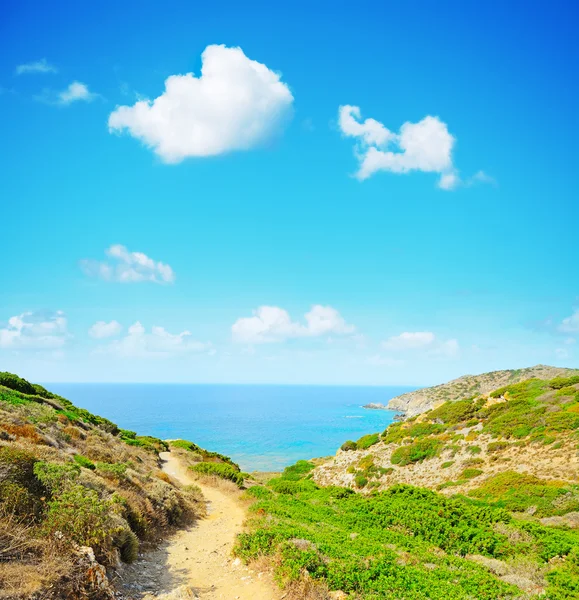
94	579
338	595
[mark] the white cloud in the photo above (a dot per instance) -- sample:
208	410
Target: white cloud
76	92
102	329
447	349
273	324
159	343
424	146
424	342
385	361
571	323
409	340
128	267
562	353
35	331
235	104
37	66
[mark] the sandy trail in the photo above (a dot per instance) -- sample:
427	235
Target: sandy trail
196	562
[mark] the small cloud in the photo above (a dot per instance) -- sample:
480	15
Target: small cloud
235	104
424	342
271	324
385	361
76	92
562	353
35	330
570	324
159	343
101	329
38	66
409	340
481	177
128	267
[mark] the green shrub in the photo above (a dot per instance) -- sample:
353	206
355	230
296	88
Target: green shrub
416	452
470	473
474	450
567	391
497	446
298	471
288	486
127	543
360	481
348	445
56	477
83	461
222	470
80	516
447	464
559	383
206	455
367	440
112	470
519	491
14	382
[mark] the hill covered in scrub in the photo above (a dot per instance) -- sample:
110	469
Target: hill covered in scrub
477	498
419	401
79	495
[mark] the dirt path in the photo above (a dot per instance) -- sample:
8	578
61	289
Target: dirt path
196	562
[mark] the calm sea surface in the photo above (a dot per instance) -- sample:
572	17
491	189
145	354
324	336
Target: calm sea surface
262	427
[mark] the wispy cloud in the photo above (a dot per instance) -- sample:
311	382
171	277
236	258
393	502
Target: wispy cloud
34	330
159	343
37	66
128	267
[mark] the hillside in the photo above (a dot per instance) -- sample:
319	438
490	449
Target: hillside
419	401
79	495
495	516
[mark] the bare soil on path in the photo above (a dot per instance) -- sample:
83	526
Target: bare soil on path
196	562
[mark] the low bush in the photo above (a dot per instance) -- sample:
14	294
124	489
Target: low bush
222	470
83	461
349	445
470	473
367	440
416	452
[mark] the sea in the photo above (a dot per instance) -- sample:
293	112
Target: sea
261	427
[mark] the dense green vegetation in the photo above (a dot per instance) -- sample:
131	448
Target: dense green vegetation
404	543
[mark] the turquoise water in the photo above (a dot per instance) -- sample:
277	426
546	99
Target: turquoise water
262	427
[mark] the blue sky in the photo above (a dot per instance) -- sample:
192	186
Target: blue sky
381	255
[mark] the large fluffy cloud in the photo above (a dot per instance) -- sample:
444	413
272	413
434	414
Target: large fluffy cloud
159	343
235	104
128	267
273	324
34	331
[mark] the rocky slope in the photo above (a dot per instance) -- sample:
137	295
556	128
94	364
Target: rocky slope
530	428
419	401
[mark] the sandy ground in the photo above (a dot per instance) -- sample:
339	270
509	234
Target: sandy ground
196	562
